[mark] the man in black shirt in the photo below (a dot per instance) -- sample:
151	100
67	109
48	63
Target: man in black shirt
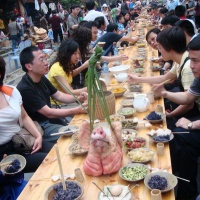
36	91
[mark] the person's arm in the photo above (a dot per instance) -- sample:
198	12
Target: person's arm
81	68
129	39
183	122
56	113
151	80
30	126
114	58
64	82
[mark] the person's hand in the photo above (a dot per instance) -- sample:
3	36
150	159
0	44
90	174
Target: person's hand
132	78
123	57
168	114
183	123
158	89
120	32
80	109
86	64
83	96
37	145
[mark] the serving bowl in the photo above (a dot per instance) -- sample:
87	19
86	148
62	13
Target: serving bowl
126	112
11	158
76	149
135	87
129	124
141	155
133	172
127	103
130	95
155	114
171	180
139	70
128	133
64	129
163	139
119	69
121	77
155	68
134	143
118	91
115	118
73	186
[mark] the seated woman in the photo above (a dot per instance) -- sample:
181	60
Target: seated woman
11	186
12	118
63	70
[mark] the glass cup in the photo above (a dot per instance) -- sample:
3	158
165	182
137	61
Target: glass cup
150	96
156	194
79	175
160	149
159	108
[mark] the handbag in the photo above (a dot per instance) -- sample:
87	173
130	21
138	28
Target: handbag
24	141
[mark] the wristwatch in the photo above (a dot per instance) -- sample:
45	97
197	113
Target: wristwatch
190	126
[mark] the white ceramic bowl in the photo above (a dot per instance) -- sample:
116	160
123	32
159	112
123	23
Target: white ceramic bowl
121	77
119	69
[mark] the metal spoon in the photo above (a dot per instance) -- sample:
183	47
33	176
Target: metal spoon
101	190
130	190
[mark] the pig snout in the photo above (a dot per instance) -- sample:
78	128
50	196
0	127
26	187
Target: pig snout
98	133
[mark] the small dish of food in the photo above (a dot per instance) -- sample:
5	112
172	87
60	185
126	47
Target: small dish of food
133	172
139	70
155	68
130	95
155	117
126	112
160	180
116	118
13	164
65	130
133	143
141	155
128	133
119	91
127	103
154	59
135	87
76	149
129	124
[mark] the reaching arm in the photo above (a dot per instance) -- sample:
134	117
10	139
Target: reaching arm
129	39
30	126
81	68
114	58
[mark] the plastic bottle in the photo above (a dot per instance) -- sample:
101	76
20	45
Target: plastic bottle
105	73
115	51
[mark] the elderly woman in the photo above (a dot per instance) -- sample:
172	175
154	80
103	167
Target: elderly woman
12	118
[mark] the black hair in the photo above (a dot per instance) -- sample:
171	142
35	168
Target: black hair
74	6
26	56
194	44
53	12
100	21
83	22
119	17
163	11
13	18
2	70
186	26
154	30
172	39
90	24
170	20
90	5
112	27
180	11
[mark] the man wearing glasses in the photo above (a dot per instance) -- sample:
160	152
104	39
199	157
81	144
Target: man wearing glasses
36	91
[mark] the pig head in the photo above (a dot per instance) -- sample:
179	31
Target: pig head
104	151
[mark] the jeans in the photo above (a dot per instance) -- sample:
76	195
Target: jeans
15	41
56	33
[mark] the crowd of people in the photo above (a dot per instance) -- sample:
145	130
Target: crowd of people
37	95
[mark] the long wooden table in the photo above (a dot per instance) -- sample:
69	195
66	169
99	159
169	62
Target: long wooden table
41	179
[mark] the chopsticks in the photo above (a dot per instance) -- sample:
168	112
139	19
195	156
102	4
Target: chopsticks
101	190
6	163
183	179
60	133
180	132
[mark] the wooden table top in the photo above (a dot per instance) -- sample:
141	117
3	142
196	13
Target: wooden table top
41	179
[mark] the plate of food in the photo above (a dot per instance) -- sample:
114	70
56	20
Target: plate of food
133	172
12	164
163	181
127	103
119	91
141	155
139	70
128	133
154	59
114	118
155	68
133	143
161	135
155	117
129	123
67	130
115	191
130	95
76	149
126	112
135	87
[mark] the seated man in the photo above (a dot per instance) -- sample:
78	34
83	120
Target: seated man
36	91
101	25
185	147
113	36
169	21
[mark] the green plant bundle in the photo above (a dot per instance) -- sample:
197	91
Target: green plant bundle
95	89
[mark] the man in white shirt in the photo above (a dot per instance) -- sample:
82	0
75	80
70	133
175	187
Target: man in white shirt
92	13
101	26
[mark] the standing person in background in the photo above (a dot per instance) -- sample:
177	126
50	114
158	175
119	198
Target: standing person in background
190	9
21	21
124	7
43	22
13	28
56	28
114	12
73	19
61	14
197	14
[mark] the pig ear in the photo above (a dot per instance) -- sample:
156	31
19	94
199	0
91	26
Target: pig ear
84	135
117	129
